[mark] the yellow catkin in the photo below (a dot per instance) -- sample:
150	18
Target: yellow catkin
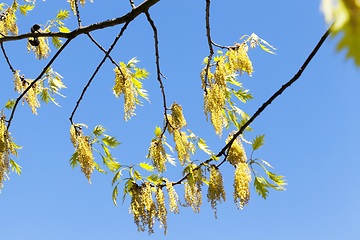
83	149
237	152
173	197
178	120
136	208
221	72
214	102
31	97
124	85
192	197
8	22
6	149
239	60
157	155
241	184
161	209
210	78
20	85
72	4
42	50
216	192
143	207
85	156
182	146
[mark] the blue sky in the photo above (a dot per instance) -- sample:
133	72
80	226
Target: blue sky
310	130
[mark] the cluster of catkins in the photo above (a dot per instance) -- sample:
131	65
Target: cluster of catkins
235	61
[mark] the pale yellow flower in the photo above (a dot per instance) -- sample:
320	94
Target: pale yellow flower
242	181
216	191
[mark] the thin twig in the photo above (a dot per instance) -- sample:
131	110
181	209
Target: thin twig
37	79
102	49
158	70
77	13
6	57
207	18
97	69
132	4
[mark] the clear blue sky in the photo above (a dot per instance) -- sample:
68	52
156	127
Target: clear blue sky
311	130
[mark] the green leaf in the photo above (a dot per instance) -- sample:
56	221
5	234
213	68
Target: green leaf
116	177
62	14
115	194
202	145
260	186
278	180
57	42
190	179
73	160
137	175
258	142
97	166
205	61
127	188
243	95
99	130
146	166
266	163
132	63
153	178
45	96
10	104
110	141
15	166
63	29
25	8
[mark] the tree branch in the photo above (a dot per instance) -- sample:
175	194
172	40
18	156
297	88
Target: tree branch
96	26
6	57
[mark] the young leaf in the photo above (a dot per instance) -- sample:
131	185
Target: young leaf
25	8
99	130
110	141
116	177
15	166
278	180
62	14
63	29
10	104
137	175
260	186
115	194
153	178
57	42
73	159
128	186
146	166
258	142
